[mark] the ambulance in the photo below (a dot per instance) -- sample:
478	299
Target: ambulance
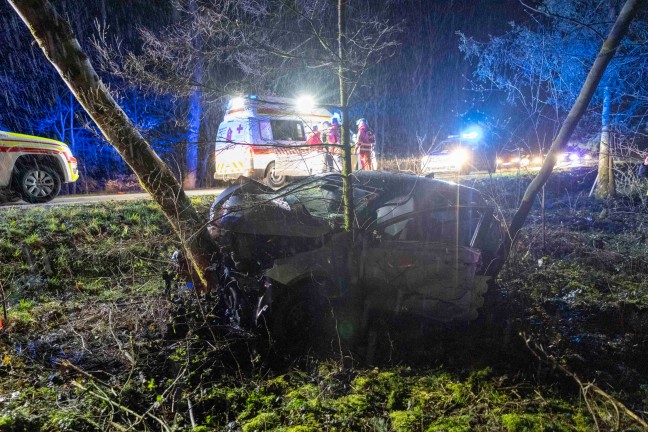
264	137
35	167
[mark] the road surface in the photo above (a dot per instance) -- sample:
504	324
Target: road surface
100	198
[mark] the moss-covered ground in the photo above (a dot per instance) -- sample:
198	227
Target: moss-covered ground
93	342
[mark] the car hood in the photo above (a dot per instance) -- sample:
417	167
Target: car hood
32	141
250	207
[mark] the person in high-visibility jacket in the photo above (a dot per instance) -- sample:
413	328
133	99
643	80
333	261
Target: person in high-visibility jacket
364	144
315	137
334	138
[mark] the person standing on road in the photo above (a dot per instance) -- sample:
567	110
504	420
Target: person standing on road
335	140
364	145
315	137
329	165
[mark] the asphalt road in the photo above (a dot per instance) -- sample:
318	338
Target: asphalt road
101	198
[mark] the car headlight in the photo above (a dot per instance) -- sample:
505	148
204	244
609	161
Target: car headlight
499	161
537	160
459	157
574	157
561	157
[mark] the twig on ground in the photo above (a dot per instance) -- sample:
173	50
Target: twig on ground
127	410
536	350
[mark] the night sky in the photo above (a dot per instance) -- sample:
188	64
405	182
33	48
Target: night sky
419	93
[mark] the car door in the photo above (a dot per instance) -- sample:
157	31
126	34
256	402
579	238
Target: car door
6	162
420	262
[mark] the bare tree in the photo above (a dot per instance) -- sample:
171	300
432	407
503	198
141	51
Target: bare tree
605	55
539	66
57	40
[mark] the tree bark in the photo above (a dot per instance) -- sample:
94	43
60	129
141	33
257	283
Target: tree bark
55	37
347	180
195	113
607	51
605	185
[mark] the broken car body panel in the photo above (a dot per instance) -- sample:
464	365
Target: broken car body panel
420	245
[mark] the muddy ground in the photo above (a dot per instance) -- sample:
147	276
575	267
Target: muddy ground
93	341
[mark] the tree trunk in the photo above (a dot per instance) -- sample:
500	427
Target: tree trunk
55	37
618	31
347	180
194	115
605	184
73	186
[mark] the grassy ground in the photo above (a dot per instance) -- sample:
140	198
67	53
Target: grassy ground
94	343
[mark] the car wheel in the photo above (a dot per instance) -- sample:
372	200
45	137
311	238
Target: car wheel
272	179
301	318
38	183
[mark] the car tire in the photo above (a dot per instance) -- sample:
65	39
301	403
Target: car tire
301	319
273	180
37	183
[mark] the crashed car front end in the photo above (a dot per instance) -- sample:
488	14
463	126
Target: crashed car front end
419	246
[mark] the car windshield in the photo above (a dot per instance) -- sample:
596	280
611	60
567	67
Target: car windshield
323	197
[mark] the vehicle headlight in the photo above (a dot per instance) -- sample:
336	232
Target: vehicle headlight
587	157
561	157
574	157
537	160
499	161
459	157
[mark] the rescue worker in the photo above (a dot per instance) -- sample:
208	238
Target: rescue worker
329	165
334	137
326	127
334	132
315	137
364	145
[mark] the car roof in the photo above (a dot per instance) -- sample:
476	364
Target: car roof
399	184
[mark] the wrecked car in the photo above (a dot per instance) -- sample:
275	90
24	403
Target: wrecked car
418	247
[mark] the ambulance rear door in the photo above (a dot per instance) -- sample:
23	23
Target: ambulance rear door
233	156
289	139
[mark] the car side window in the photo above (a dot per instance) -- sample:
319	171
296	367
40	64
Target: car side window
451	225
402	229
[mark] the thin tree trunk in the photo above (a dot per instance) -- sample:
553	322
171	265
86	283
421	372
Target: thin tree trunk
605	188
195	113
55	37
617	33
347	180
73	186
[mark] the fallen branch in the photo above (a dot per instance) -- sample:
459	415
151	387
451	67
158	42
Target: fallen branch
127	410
545	358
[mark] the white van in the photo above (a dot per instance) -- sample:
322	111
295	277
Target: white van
265	138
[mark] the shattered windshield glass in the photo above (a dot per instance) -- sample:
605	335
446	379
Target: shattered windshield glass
323	198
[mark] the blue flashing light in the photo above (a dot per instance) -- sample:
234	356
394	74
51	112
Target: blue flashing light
472	133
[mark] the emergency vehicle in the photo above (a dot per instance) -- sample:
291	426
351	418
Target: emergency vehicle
265	138
35	167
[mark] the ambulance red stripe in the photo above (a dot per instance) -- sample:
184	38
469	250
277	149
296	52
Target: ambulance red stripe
17	149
